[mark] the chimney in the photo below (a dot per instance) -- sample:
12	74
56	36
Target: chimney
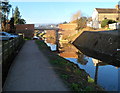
117	7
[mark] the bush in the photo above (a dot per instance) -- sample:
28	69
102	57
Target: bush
105	22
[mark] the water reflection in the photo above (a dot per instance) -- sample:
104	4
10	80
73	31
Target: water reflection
103	73
82	59
51	43
67	51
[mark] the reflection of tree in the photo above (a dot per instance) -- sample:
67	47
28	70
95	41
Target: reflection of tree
81	58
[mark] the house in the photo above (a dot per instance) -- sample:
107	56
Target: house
100	14
89	24
26	29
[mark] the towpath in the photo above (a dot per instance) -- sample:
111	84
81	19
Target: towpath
31	71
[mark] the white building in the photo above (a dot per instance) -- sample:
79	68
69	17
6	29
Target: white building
89	24
95	19
99	14
114	26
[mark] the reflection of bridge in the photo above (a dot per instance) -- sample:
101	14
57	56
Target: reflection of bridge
46	28
56	29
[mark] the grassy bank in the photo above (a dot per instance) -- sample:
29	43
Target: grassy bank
76	79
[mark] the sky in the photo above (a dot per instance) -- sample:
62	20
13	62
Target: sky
35	12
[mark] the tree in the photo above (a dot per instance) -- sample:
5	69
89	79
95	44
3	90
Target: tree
12	27
22	21
5	10
17	17
65	22
81	23
105	22
76	16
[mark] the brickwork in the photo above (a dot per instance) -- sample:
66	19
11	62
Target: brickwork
26	29
70	26
67	30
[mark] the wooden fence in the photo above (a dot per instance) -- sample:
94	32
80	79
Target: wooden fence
10	49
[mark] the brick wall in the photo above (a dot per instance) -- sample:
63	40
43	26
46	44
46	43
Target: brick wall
67	30
70	26
26	29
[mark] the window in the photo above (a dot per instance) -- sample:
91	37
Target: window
105	18
117	18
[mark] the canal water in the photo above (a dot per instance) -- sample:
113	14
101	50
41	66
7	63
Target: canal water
104	74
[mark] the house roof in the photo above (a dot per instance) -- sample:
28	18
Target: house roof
107	10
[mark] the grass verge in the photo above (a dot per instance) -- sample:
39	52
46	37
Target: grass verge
76	79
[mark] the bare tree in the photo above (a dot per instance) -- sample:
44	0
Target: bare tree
76	16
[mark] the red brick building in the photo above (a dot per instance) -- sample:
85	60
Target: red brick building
26	29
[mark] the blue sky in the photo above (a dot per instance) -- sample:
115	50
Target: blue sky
56	12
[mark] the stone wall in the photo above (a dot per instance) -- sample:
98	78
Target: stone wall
112	16
104	42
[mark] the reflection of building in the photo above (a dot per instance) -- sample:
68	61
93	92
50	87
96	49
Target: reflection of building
51	40
50	33
100	14
98	62
50	36
67	50
26	29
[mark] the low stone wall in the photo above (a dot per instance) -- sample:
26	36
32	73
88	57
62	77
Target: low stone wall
104	42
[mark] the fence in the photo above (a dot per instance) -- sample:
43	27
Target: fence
114	26
9	50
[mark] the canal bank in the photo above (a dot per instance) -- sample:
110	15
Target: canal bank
102	72
76	79
105	42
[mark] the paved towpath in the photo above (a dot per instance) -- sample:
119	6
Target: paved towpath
31	71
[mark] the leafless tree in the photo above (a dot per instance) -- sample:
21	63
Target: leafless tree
76	16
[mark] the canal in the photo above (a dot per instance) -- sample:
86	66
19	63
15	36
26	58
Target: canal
103	73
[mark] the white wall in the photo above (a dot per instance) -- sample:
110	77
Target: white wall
95	19
89	24
114	26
